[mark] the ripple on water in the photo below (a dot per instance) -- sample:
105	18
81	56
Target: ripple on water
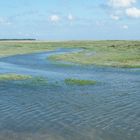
108	110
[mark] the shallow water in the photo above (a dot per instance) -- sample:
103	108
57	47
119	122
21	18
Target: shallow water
109	110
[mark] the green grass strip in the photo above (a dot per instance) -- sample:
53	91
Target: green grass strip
11	76
79	82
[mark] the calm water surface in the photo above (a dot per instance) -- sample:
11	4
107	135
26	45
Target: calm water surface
110	110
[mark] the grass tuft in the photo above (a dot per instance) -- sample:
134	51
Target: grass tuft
79	82
6	77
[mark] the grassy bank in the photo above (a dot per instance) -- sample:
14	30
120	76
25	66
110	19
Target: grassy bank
104	53
24	47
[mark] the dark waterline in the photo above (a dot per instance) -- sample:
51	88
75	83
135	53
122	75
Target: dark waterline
109	110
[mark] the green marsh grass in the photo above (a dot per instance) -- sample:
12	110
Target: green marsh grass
15	77
25	79
15	48
104	53
79	82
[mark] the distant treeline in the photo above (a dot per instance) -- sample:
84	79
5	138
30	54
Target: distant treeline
27	39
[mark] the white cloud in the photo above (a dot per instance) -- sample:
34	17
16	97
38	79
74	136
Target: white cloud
70	17
125	26
121	3
125	8
115	17
54	18
133	12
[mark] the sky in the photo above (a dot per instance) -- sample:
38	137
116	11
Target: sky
70	19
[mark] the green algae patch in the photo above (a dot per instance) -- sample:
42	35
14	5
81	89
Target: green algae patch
39	80
35	81
15	77
79	82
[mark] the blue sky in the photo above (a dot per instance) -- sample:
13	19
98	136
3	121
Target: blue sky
70	19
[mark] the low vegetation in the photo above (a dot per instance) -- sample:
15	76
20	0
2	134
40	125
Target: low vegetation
79	82
27	79
6	77
18	47
102	53
105	53
38	80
